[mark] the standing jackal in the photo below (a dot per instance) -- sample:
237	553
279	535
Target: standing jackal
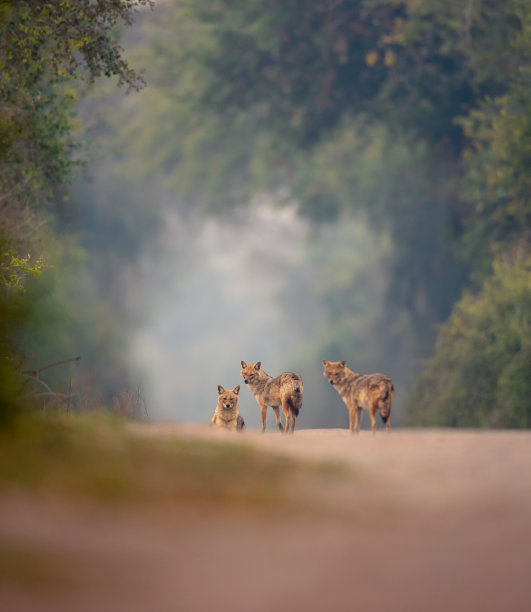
284	390
370	391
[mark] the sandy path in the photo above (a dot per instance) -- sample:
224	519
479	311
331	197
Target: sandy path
429	520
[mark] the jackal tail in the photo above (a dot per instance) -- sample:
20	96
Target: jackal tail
294	398
386	401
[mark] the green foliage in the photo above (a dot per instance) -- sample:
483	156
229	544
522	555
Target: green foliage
15	311
395	182
44	46
12	313
63	38
298	68
71	317
498	183
18	269
479	376
279	62
245	88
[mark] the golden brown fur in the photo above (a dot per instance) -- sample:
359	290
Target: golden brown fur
227	415
372	392
285	390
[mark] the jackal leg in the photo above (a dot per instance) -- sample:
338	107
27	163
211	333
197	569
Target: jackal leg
386	419
276	410
351	417
293	419
372	411
286	411
263	412
358	418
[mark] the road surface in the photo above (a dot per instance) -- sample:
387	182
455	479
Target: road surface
418	520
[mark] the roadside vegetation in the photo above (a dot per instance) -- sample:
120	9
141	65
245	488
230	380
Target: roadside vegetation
99	458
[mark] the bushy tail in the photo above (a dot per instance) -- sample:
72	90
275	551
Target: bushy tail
294	398
385	402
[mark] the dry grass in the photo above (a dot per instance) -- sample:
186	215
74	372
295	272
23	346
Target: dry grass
95	457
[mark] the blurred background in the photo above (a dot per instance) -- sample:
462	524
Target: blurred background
296	181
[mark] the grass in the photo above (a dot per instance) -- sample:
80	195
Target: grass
94	457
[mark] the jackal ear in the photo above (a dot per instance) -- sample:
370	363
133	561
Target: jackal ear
257	365
236	390
220	389
244	365
343	363
325	362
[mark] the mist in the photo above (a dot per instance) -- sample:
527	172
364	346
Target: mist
212	290
195	294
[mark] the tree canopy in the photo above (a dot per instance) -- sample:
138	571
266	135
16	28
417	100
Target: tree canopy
44	45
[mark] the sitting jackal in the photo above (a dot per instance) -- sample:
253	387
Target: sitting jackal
227	415
284	390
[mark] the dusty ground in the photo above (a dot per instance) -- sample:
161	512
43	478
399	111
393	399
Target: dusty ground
423	520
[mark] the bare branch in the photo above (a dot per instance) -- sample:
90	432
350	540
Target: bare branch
41	382
36	373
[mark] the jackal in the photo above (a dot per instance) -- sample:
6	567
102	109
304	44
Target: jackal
284	390
227	415
370	391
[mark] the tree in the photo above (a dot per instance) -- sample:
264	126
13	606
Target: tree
479	375
45	46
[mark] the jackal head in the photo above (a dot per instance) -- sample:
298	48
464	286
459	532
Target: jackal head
227	398
250	372
334	371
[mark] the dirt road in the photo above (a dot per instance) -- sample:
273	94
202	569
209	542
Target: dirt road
421	520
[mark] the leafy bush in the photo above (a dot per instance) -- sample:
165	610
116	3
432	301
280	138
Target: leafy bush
480	374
